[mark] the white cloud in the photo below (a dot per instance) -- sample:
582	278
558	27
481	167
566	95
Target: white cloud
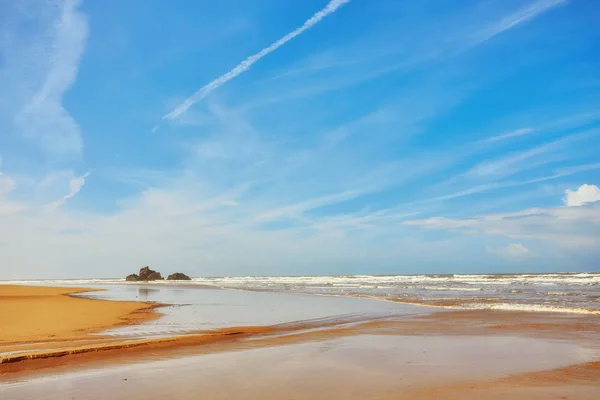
563	226
7	184
559	173
186	224
41	66
175	229
585	194
10	207
272	198
75	186
331	7
512	250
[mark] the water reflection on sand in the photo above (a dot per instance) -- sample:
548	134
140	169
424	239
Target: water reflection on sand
193	309
359	367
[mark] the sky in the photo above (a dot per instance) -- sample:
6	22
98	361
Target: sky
298	137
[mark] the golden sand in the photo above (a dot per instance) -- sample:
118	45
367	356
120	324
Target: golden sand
31	314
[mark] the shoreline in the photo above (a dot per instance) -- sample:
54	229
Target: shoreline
442	323
536	292
45	314
84	351
455	304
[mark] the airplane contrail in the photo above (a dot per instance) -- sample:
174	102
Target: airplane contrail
331	7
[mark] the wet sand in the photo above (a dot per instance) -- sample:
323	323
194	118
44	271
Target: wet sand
366	366
433	355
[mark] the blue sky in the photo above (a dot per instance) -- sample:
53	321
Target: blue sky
299	137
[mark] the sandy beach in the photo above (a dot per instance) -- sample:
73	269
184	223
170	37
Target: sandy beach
33	316
57	344
290	200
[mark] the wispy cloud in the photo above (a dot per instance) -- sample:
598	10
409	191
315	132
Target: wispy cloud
525	14
313	66
338	160
527	159
513	251
7	185
482	188
509	135
44	117
363	220
512	163
332	7
295	209
564	226
75	186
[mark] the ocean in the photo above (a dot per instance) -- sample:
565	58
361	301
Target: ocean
552	292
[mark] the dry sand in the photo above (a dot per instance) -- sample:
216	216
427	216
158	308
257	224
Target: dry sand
31	314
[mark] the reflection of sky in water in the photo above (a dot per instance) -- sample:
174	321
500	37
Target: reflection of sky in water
370	365
197	309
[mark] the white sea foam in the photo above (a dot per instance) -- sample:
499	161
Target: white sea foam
531	308
450	288
524	292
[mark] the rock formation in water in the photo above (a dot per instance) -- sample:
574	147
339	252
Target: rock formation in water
146	274
178	276
154	276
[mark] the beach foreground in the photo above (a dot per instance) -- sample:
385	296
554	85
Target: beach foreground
34	316
383	351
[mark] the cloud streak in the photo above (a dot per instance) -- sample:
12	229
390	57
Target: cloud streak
563	226
519	17
204	91
44	118
528	159
75	186
512	251
509	135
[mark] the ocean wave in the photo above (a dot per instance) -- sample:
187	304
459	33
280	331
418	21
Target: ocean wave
492	304
532	308
470	280
575	279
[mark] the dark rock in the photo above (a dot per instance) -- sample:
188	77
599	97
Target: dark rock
178	276
154	276
145	273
